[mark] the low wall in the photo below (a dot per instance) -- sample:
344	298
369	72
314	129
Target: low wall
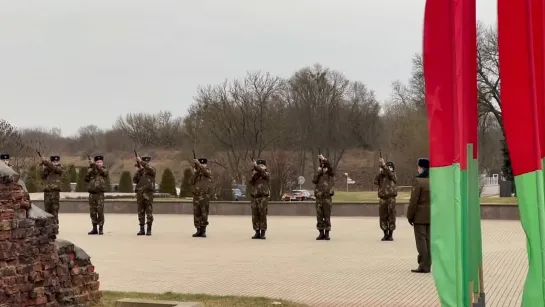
299	208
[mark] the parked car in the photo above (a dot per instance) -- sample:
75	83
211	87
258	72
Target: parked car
300	195
237	195
286	197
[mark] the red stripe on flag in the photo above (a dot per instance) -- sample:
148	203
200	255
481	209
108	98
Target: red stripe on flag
439	61
517	85
465	40
470	75
538	30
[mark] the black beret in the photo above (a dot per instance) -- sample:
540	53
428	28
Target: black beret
423	163
55	158
99	158
261	161
4	156
146	159
203	160
390	163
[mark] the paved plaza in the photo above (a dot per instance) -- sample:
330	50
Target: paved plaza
353	269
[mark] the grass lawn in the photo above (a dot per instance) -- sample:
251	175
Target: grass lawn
109	298
405	196
361	197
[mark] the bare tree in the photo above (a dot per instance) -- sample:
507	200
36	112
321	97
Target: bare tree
238	117
488	76
152	130
330	113
283	172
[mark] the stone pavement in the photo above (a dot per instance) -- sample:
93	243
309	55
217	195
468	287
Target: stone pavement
353	269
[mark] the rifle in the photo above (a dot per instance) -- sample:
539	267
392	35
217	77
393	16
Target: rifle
320	160
136	156
40	155
194	156
380	153
90	161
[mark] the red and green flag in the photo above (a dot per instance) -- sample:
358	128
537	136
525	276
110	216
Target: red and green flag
520	36
451	94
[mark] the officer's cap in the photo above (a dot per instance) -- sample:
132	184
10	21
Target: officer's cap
390	163
4	156
99	158
146	159
203	160
261	161
423	163
55	158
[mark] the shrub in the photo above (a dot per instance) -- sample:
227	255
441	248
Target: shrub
33	180
72	173
185	187
125	182
81	185
168	183
65	181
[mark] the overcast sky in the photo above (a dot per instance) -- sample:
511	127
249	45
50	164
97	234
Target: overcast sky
69	63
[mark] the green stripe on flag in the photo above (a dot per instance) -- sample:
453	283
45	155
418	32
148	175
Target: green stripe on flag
446	238
530	198
464	223
476	247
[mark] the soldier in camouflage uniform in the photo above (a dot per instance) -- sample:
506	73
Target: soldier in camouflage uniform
145	187
259	184
97	176
324	181
5	158
202	188
386	181
52	177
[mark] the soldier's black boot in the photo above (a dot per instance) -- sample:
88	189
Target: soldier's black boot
257	235
101	230
390	236
93	231
326	235
148	230
141	232
321	236
385	236
203	232
262	236
197	234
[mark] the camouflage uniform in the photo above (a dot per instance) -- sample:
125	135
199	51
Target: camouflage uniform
52	177
323	191
260	192
96	178
387	192
145	187
202	188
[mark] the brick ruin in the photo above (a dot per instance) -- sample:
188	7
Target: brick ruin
36	269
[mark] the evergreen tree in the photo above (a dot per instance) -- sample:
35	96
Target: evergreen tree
168	183
108	187
65	181
125	182
81	185
185	187
72	173
225	189
33	180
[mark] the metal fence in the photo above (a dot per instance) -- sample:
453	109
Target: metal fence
488	181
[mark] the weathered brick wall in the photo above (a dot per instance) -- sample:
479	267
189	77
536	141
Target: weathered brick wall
35	268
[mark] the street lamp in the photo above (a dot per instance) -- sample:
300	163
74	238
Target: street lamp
346	175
